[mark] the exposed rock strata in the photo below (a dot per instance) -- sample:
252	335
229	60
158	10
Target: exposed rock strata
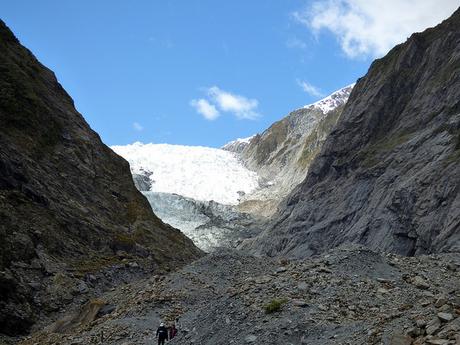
388	175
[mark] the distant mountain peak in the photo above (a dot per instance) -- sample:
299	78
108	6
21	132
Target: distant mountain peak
327	104
332	101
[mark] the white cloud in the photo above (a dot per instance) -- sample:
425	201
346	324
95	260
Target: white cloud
205	108
240	106
218	101
138	127
373	27
310	89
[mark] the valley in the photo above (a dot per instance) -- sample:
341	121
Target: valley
338	224
219	197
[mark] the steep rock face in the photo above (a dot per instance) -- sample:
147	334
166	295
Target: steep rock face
68	204
388	176
282	154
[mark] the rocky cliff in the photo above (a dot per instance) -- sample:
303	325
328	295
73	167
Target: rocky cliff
71	218
388	175
282	153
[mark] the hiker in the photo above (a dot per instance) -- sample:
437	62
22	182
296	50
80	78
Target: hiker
172	331
177	324
162	334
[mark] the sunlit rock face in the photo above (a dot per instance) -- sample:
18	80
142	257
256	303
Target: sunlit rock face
282	154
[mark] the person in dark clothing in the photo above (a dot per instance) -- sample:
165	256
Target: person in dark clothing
162	334
172	331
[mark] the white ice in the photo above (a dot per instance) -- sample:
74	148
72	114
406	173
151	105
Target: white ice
197	172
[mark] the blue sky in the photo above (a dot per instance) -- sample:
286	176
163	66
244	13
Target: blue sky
204	72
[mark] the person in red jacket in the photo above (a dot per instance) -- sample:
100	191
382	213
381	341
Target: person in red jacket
162	334
172	331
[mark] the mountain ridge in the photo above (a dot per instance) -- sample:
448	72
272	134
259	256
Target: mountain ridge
282	153
388	174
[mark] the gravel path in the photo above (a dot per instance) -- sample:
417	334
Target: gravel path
349	295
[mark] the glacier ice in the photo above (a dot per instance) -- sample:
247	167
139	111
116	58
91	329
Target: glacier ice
197	172
208	223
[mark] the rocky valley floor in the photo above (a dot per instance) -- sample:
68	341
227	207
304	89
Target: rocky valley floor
349	295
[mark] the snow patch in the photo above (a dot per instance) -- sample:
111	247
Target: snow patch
238	144
333	100
243	140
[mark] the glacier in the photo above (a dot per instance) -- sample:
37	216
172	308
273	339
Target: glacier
207	223
200	173
194	189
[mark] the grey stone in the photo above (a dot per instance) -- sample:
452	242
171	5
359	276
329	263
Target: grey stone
433	326
282	153
263	279
437	341
445	317
440	301
299	303
420	282
251	338
302	286
400	339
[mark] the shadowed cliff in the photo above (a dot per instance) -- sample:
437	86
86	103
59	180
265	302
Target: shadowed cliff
68	205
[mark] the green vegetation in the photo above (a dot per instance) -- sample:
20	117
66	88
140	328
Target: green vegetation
391	143
311	146
277	134
453	157
369	155
124	240
274	305
23	106
445	74
307	156
386	64
137	210
94	264
280	152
